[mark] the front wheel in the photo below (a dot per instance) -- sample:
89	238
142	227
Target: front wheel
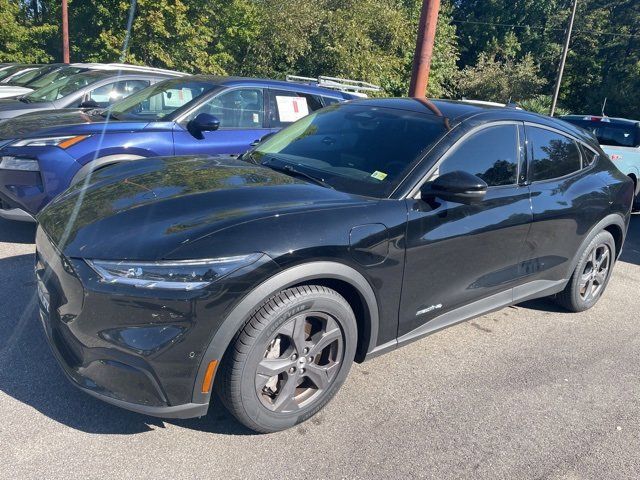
591	275
290	358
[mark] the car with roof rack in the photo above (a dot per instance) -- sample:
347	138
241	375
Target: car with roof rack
43	153
359	229
620	139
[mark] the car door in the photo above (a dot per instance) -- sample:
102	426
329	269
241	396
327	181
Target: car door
567	198
242	121
462	258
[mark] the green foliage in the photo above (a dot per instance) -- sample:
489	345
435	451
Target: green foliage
485	49
541	104
500	81
18	40
604	60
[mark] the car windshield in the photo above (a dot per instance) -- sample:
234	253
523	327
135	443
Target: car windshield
354	148
54	76
66	86
609	133
22	79
7	72
158	101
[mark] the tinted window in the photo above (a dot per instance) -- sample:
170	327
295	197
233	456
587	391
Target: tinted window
65	86
160	100
329	101
54	76
239	108
286	107
588	156
608	133
357	149
554	155
112	92
491	154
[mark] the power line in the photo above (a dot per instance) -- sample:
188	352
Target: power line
577	32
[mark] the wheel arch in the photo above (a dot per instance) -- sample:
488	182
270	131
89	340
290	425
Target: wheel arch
344	279
102	162
614	224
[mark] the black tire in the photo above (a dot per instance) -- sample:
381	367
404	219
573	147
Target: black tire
286	324
591	268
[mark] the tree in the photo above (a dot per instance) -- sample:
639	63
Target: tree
501	81
19	39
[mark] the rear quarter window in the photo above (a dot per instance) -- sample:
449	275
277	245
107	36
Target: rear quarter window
554	155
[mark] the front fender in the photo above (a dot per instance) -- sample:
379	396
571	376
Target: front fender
285	279
102	162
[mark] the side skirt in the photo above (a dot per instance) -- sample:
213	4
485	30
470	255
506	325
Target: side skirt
519	294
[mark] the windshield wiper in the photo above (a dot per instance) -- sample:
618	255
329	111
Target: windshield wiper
24	100
293	171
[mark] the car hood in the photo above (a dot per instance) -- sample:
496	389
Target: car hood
11	107
11	91
144	210
52	123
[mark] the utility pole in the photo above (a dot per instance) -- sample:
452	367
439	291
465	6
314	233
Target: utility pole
563	60
65	32
424	48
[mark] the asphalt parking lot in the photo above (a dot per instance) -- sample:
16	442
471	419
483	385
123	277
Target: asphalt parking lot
526	392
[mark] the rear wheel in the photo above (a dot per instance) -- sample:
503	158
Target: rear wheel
591	275
290	358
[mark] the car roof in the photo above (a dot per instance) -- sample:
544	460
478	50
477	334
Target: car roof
230	81
108	73
458	111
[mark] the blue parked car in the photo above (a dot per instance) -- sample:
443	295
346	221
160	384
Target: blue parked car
43	153
620	139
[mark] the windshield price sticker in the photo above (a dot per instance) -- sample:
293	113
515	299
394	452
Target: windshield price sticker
379	175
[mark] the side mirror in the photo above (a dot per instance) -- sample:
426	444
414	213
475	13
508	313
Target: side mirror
204	122
89	104
459	187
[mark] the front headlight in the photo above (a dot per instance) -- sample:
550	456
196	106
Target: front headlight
17	163
62	142
171	275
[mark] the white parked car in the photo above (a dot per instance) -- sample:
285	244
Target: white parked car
26	81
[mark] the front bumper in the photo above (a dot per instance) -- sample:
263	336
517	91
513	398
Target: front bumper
158	381
23	191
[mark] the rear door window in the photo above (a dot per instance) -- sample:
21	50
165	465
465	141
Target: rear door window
554	155
286	107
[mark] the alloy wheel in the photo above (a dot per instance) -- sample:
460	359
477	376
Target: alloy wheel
595	273
300	363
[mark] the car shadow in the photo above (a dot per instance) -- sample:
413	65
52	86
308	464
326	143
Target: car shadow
31	375
17	232
631	248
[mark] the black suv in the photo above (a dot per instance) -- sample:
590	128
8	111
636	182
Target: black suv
358	229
